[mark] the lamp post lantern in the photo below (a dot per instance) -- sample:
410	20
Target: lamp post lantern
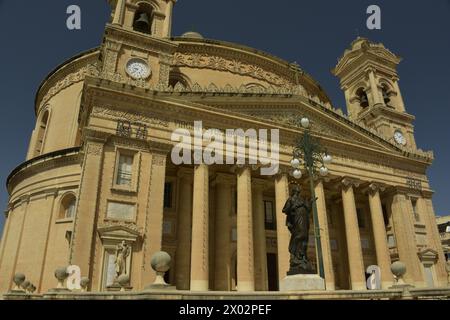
315	160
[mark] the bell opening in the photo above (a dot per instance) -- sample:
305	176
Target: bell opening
143	19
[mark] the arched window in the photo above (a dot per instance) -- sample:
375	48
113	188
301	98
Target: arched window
363	99
386	94
41	130
143	18
176	78
67	210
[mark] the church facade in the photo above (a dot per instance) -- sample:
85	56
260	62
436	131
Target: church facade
99	172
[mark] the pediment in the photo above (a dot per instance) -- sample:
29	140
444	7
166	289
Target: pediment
116	231
327	123
428	254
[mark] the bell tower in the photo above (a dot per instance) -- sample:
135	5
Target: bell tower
369	79
137	48
152	17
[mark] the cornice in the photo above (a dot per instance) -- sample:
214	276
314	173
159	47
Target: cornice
150	106
48	161
63	76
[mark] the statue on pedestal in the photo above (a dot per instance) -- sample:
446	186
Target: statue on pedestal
123	251
298	212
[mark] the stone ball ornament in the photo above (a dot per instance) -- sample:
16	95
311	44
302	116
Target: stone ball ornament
61	274
398	269
123	280
19	278
26	284
84	282
161	261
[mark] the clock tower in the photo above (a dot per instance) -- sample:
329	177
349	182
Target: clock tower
369	79
136	46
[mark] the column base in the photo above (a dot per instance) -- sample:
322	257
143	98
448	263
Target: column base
359	286
158	287
246	286
199	285
302	282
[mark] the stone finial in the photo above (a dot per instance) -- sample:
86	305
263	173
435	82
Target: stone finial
161	264
32	289
124	282
84	284
398	269
26	285
19	279
61	275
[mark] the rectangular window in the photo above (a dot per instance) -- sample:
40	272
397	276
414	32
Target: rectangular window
167	227
168	191
391	241
333	244
429	276
234	235
385	215
361	218
330	216
269	216
365	244
125	170
415	211
121	211
109	269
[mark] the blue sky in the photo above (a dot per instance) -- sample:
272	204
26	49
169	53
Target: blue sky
34	39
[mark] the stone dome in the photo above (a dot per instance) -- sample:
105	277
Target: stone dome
192	35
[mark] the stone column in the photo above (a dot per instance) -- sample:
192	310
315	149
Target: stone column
222	270
404	230
245	258
83	230
281	196
355	256
377	100
200	225
167	27
379	234
184	229
154	215
325	236
259	235
401	103
119	12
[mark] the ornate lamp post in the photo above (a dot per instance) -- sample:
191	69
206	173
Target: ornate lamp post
309	153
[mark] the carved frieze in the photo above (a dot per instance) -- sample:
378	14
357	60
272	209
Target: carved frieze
206	61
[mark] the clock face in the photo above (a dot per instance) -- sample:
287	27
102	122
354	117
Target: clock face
399	138
138	69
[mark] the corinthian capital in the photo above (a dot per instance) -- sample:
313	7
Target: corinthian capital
348	182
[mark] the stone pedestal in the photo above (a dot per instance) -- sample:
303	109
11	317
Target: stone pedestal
117	287
302	282
159	287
